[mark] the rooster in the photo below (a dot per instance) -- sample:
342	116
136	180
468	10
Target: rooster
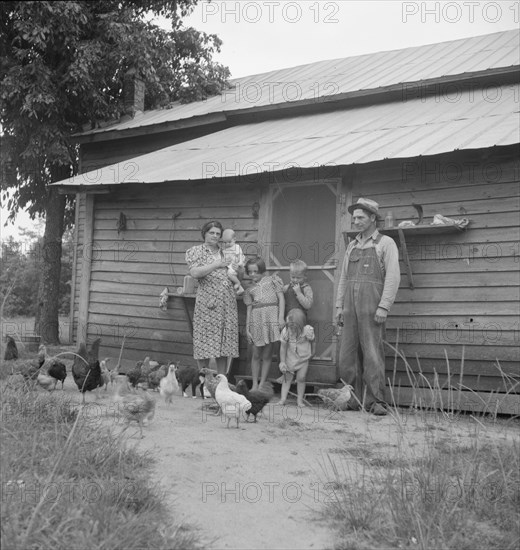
136	405
169	385
232	404
258	398
86	369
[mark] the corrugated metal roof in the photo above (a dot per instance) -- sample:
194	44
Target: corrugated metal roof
340	76
470	119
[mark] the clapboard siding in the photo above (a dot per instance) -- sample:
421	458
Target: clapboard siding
458	328
466	300
130	268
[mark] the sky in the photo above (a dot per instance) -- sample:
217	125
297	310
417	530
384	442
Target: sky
259	36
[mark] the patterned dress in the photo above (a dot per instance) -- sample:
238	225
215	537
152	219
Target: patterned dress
264	326
215	319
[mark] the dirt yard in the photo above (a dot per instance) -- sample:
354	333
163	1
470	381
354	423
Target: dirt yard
264	485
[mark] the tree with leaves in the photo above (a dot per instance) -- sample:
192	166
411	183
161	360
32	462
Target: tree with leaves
62	67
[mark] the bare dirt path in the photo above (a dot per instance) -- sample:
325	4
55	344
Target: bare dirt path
263	486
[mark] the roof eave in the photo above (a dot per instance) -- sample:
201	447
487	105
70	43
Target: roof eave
402	90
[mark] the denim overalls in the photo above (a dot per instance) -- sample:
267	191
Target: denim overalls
361	358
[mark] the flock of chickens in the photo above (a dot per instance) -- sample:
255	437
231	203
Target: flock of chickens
137	403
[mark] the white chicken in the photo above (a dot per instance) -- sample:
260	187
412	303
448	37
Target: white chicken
105	373
168	385
232	404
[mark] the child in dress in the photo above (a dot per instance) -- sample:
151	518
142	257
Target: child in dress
232	251
265	317
296	348
298	293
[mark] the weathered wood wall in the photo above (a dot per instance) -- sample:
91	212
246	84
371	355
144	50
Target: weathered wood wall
130	268
462	317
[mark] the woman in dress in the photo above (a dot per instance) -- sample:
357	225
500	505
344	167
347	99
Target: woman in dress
215	320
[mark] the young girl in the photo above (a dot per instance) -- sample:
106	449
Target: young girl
265	308
296	348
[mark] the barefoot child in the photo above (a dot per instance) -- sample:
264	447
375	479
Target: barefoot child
265	317
296	348
298	293
232	251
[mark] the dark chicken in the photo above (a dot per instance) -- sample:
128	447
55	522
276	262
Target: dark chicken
258	398
189	376
11	351
86	369
58	371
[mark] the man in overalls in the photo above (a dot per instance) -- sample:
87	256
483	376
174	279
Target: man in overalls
368	283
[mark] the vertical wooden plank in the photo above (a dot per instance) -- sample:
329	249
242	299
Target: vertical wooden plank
74	269
264	223
86	266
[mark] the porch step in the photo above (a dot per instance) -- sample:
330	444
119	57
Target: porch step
273	381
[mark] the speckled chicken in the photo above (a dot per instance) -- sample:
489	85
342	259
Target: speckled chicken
86	369
336	399
155	377
135	376
136	405
31	368
258	398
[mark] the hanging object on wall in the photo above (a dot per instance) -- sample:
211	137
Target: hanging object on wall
121	223
255	209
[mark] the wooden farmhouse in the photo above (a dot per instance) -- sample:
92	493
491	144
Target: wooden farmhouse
279	157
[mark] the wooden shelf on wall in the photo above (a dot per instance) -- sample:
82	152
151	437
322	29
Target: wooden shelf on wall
401	233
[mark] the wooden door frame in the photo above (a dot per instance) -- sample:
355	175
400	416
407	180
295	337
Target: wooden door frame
342	188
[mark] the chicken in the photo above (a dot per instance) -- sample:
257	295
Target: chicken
169	386
188	375
232	404
209	379
11	351
45	381
114	373
86	369
258	398
337	399
155	377
105	373
148	366
57	370
136	405
135	376
31	368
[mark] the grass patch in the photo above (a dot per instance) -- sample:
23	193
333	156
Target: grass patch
68	483
441	494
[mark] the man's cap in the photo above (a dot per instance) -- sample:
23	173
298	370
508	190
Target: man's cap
366	204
